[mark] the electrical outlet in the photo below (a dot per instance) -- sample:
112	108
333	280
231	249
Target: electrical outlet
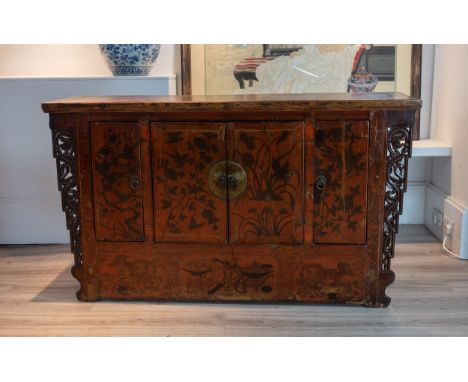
447	232
437	218
448	227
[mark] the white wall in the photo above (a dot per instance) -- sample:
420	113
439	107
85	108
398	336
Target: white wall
415	197
30	208
450	112
449	123
70	60
427	73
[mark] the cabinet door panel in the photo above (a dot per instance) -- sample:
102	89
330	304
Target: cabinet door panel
270	209
118	198
185	207
340	181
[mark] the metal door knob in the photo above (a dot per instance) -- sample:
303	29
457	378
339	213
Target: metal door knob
134	183
321	183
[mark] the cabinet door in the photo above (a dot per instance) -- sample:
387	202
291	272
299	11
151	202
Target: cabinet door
340	160
186	209
118	198
270	208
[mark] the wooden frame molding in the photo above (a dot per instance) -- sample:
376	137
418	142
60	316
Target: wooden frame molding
186	69
416	62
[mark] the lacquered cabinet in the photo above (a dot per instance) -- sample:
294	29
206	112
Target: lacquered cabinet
265	198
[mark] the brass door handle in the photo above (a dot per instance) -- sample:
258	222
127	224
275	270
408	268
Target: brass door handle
227	179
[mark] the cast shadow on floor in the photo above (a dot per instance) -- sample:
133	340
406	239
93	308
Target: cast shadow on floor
415	233
62	289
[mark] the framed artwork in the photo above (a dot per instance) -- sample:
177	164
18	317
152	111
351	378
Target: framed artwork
222	69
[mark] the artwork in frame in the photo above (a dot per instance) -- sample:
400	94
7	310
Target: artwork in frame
220	69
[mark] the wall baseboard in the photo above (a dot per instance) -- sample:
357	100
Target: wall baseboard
420	200
457	214
453	211
435	198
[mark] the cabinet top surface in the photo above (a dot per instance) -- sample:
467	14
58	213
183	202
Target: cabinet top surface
274	102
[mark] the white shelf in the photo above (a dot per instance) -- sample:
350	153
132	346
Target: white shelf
431	148
89	77
160	84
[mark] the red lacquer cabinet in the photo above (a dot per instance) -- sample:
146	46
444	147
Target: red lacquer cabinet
263	198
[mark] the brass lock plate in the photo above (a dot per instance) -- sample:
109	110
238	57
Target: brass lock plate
227	178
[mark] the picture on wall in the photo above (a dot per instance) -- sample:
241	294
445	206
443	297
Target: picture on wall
230	69
297	68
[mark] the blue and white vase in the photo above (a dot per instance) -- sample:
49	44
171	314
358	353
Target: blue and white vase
130	59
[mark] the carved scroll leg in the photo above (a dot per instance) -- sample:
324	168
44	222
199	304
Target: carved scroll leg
398	153
386	279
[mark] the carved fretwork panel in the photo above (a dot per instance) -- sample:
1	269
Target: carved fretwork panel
64	150
398	153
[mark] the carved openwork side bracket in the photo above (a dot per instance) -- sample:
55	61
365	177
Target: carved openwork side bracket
398	152
64	150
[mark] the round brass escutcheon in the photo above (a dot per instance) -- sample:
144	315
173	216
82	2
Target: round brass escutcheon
227	179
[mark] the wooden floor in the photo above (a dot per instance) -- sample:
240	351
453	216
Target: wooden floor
37	298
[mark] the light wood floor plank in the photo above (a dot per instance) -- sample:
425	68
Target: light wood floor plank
37	298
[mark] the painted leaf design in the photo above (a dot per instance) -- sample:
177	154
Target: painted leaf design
200	143
193	224
248	140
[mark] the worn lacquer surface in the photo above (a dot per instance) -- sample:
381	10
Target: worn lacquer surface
269	199
270	209
340	188
185	207
118	199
